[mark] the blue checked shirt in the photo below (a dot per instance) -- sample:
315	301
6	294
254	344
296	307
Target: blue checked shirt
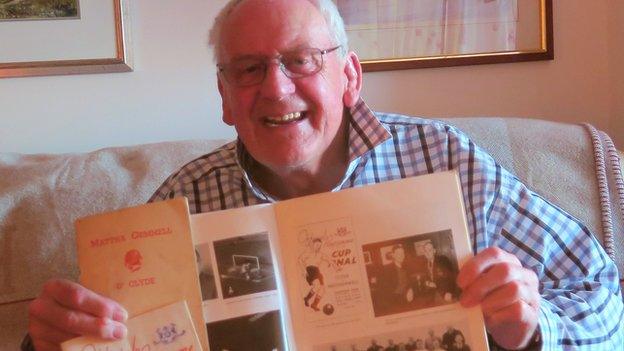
581	307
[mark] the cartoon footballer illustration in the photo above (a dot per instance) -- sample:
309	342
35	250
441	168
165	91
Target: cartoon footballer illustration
311	263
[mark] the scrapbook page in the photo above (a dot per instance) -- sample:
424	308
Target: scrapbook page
365	267
376	267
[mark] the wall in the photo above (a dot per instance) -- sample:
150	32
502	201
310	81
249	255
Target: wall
172	94
616	64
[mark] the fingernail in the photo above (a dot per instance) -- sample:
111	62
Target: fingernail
120	315
119	331
113	330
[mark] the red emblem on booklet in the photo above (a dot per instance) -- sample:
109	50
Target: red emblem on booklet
133	260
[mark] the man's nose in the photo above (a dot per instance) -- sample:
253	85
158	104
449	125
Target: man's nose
276	85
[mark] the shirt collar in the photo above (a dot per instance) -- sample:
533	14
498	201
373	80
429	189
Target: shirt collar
365	133
246	163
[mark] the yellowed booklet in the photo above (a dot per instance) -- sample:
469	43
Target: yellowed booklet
143	257
163	329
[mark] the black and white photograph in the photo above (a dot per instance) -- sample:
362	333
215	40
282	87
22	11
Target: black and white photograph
205	270
449	337
412	273
262	330
245	265
11	10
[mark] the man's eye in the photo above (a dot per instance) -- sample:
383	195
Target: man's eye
301	61
249	69
298	61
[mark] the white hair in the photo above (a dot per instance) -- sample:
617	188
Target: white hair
327	8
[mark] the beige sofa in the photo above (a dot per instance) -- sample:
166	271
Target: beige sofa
41	195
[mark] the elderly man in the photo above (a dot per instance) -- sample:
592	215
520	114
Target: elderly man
291	88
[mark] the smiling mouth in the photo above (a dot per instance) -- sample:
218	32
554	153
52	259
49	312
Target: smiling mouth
276	121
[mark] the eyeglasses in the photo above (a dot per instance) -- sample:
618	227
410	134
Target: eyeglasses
251	70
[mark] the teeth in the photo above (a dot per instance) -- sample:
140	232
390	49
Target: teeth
285	118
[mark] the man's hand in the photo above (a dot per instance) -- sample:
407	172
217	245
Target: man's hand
508	294
65	310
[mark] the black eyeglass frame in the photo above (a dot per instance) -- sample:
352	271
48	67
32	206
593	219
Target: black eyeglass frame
222	68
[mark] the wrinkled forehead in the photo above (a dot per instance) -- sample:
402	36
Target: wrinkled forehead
261	27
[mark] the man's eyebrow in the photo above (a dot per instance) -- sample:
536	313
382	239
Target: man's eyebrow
300	46
246	56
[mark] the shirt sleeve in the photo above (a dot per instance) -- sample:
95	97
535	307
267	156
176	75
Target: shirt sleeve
581	304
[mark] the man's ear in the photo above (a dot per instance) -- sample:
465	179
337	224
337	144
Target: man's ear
353	72
225	106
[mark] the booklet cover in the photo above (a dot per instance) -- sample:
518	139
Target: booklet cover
142	257
367	268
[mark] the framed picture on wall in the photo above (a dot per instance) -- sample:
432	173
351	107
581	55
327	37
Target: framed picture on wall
15	10
405	34
45	37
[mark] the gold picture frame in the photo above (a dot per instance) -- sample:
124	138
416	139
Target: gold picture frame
118	61
361	42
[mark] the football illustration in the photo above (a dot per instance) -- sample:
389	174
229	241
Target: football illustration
328	309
